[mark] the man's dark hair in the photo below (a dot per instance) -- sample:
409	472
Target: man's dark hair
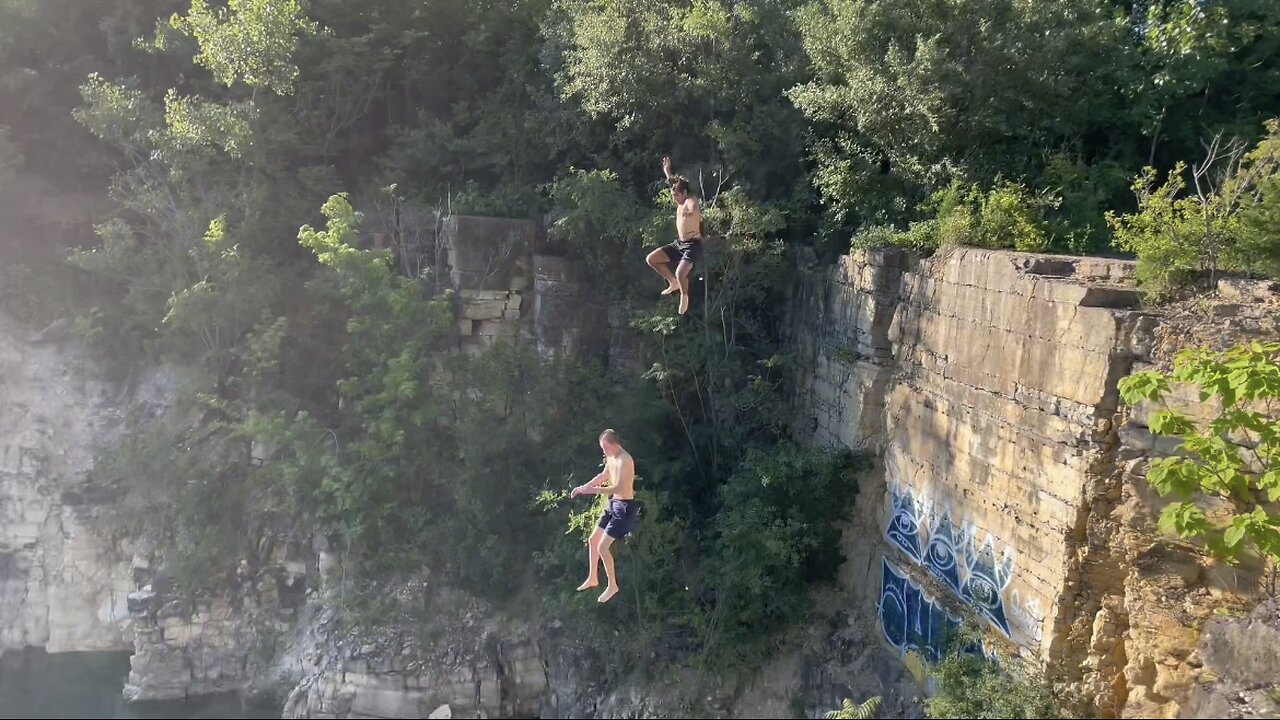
679	183
609	435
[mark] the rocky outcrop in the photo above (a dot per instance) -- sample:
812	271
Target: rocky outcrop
484	253
62	586
567	320
1011	484
510	681
66	585
1171	590
1241	657
511	285
432	652
225	642
478	664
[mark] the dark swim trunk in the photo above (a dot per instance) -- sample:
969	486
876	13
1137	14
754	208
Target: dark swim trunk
688	250
618	518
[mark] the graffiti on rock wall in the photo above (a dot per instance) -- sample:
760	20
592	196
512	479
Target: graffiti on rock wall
904	522
916	625
971	568
910	618
1029	615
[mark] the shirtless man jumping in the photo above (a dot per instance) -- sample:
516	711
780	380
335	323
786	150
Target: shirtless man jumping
688	245
619	515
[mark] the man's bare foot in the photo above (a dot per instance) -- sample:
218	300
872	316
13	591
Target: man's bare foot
684	303
671	288
588	585
608	594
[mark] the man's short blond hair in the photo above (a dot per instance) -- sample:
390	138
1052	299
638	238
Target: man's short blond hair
609	436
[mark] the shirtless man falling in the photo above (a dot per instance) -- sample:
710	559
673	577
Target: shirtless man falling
688	245
619	515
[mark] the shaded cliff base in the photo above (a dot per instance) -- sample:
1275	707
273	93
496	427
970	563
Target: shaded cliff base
427	650
443	654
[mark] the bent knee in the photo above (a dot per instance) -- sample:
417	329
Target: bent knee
656	258
683	270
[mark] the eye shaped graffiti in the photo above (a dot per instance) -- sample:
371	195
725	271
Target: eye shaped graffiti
985	582
941	558
952	554
981	593
904	525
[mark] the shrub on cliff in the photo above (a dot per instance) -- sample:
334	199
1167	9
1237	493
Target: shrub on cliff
974	686
1007	215
970	683
774	536
1222	221
1231	460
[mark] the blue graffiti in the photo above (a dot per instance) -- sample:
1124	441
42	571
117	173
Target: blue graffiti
911	619
986	580
904	524
952	555
940	557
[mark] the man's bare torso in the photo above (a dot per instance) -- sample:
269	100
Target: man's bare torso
689	220
622	475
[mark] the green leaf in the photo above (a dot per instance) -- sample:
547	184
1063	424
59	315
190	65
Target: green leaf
1169	422
1183	519
1146	385
1269	482
1234	534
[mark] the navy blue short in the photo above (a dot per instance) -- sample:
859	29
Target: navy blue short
688	250
618	518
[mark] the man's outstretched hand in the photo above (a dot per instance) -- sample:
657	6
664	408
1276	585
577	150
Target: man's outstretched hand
666	166
576	492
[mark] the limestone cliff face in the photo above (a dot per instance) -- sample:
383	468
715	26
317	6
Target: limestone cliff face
62	587
1012	481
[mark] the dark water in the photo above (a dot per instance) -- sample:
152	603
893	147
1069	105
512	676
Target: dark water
34	684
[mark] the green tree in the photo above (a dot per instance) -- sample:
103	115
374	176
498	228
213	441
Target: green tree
1257	249
599	221
907	96
701	81
375	494
1232	459
248	41
1203	65
773	539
